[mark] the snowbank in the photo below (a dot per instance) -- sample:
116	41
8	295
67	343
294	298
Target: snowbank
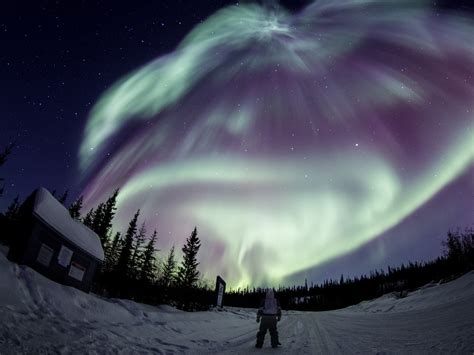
38	315
428	296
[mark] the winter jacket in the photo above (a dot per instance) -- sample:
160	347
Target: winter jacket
269	306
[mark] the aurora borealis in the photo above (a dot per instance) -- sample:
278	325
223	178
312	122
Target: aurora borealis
288	139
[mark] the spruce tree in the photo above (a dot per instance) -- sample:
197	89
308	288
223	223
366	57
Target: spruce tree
62	199
3	159
127	247
169	269
107	214
112	255
88	219
97	219
75	208
13	210
116	241
4	155
148	268
188	273
137	257
100	219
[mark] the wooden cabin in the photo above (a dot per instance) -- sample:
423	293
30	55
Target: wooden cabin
54	244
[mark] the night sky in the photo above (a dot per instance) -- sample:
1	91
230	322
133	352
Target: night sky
303	140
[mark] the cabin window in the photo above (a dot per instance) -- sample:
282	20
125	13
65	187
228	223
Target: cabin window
77	271
45	255
64	256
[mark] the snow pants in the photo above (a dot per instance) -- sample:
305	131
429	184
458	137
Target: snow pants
268	323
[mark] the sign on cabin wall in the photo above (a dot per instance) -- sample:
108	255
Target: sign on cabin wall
77	271
44	255
64	257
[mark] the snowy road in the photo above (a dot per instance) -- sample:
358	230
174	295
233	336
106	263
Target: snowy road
39	316
446	328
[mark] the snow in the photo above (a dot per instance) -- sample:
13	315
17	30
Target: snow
51	211
38	315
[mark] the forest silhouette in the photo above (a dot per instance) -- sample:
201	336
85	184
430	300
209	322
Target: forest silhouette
132	269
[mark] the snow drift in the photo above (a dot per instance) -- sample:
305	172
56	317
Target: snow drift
38	315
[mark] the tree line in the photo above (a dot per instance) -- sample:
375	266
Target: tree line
132	270
457	259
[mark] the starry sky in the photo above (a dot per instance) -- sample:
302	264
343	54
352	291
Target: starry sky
304	140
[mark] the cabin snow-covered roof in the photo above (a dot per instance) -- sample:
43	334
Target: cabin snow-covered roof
52	212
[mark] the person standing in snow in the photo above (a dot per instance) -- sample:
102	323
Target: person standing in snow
268	315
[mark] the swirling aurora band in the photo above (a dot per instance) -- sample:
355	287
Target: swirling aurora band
288	139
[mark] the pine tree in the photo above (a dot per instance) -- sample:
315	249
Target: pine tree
107	214
13	209
111	256
88	219
169	269
4	155
97	219
187	272
75	208
148	268
127	247
3	159
454	247
100	219
137	257
116	242
62	199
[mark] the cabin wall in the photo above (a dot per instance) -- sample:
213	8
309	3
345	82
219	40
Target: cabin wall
42	253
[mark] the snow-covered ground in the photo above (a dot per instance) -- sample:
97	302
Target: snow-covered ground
40	316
